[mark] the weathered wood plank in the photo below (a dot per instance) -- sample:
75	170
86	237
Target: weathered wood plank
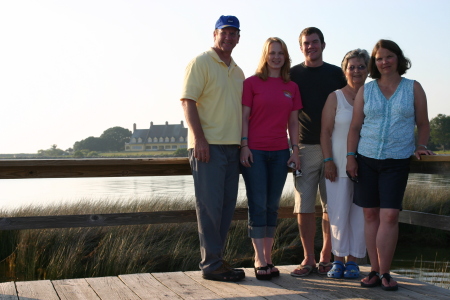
227	290
119	167
268	288
424	219
98	220
321	287
310	287
162	217
435	164
413	288
111	288
36	290
184	286
103	167
8	291
74	289
147	287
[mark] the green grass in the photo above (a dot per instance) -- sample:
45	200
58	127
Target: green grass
442	152
108	251
133	153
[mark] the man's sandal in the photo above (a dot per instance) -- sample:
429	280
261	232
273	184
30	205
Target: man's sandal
308	268
388	277
324	265
371	275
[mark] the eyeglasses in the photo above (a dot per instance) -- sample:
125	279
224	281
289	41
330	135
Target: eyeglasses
360	68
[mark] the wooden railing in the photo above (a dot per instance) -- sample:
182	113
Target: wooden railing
73	168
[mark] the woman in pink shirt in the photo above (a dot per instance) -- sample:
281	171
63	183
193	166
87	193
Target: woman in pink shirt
270	104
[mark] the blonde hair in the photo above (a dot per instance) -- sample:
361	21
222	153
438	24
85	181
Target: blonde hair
263	71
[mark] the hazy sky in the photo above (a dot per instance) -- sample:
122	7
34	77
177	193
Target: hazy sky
72	69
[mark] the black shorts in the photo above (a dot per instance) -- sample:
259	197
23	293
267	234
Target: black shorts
381	183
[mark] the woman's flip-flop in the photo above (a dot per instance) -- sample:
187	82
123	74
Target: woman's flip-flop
371	275
388	277
262	276
274	273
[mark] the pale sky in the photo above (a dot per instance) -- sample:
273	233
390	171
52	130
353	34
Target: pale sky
72	69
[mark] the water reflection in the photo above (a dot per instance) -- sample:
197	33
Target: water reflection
431	265
15	193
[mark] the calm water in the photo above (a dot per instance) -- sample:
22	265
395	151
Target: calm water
15	193
420	263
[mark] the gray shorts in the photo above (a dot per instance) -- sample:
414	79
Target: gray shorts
313	179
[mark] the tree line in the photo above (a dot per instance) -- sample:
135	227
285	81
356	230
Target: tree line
113	140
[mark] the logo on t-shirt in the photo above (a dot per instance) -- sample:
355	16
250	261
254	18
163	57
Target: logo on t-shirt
287	94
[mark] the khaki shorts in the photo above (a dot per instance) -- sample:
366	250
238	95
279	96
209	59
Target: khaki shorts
313	180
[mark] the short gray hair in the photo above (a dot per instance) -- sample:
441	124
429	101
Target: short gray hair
357	53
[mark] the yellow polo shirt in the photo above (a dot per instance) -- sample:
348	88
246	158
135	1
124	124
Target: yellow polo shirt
217	90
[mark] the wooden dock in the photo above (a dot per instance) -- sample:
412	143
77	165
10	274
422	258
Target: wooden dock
190	285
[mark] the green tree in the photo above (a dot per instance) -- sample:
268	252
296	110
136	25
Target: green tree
116	137
91	143
78	154
53	151
440	131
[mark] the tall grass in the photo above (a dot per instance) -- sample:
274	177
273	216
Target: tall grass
108	251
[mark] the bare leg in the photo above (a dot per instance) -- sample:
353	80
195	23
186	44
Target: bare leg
387	240
371	224
260	261
351	258
339	258
268	244
325	254
307	229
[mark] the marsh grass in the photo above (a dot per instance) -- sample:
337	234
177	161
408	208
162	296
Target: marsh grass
108	251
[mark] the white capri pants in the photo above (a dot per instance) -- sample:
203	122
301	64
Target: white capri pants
346	219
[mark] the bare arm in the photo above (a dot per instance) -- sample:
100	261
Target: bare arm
354	131
293	135
423	125
328	116
201	146
246	155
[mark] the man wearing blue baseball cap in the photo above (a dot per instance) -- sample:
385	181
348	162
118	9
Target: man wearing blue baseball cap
211	100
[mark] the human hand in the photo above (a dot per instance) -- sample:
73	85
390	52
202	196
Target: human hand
352	166
294	159
201	150
420	152
330	170
246	157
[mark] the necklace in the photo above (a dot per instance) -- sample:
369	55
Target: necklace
351	92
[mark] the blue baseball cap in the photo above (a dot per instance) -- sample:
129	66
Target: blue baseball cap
227	21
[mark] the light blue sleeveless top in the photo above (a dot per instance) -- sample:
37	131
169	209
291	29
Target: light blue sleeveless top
388	129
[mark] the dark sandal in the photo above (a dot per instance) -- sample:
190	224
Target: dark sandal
388	277
274	273
262	276
376	283
226	276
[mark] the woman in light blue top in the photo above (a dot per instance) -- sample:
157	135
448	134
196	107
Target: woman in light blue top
380	143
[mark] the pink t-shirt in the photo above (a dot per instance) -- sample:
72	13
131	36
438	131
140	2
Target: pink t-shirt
271	103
